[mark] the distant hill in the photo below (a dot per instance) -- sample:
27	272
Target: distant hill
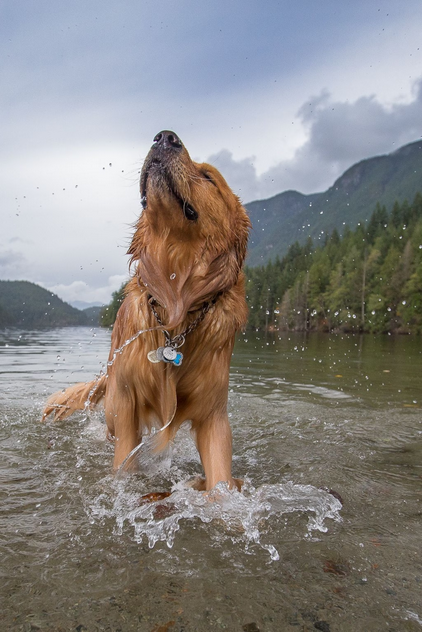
27	305
83	305
292	216
93	315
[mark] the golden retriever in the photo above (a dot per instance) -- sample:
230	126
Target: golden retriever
182	309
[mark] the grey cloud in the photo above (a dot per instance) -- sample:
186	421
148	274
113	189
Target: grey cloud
339	134
100	47
347	131
19	240
10	262
240	174
102	70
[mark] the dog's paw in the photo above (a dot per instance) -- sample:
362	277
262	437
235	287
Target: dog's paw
161	510
153	497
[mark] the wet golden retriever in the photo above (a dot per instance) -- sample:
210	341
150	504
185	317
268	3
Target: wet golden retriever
183	307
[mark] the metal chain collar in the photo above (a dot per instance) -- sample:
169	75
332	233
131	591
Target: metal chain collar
179	339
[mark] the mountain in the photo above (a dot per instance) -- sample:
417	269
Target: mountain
93	315
83	305
292	216
27	305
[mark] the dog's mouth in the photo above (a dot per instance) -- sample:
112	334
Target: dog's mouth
157	167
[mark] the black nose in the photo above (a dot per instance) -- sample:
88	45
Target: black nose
168	140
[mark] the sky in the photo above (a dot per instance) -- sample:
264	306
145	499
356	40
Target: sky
277	95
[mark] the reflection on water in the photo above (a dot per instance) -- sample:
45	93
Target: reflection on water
314	420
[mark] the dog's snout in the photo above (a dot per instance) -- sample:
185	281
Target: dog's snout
168	140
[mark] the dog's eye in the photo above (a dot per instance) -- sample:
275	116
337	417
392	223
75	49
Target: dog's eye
208	177
189	212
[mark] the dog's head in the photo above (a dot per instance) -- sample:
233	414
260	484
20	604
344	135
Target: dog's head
190	241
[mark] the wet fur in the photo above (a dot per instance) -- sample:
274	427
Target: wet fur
182	264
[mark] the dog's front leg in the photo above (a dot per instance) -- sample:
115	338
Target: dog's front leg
214	441
120	419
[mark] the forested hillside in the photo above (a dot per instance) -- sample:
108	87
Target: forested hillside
29	306
368	279
291	216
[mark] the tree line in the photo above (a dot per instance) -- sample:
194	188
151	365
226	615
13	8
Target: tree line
365	280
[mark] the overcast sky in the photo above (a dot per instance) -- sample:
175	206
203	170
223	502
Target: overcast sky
277	95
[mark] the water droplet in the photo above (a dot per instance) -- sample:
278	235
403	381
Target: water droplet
172	276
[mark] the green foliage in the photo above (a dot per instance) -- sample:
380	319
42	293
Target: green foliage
27	305
291	216
108	314
370	279
6	320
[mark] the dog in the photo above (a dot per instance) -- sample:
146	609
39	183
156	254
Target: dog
174	333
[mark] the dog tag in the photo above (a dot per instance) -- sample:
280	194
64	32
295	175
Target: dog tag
178	359
156	355
172	355
152	357
169	354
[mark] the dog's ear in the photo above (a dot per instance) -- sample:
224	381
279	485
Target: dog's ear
217	271
225	265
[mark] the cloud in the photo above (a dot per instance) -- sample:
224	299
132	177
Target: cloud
240	174
11	263
81	291
19	240
339	133
342	133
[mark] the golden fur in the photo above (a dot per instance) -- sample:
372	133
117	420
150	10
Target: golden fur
188	249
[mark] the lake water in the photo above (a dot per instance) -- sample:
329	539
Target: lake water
326	535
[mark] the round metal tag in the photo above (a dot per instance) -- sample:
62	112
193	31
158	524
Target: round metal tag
169	354
152	357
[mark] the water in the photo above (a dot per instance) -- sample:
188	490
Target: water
81	551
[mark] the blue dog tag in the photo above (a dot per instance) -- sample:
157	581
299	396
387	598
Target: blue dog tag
178	359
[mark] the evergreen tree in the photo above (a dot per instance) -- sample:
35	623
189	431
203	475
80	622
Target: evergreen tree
367	280
109	313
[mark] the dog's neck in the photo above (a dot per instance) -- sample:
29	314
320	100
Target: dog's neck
182	286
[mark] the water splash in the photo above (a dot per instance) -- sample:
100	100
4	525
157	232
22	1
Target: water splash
244	518
145	458
251	519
